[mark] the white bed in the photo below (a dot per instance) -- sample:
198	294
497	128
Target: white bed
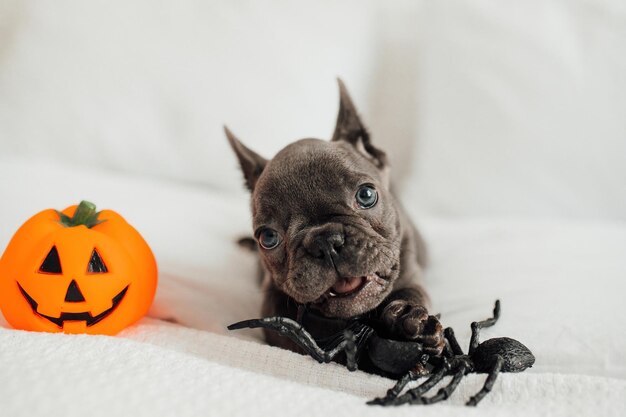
561	286
517	180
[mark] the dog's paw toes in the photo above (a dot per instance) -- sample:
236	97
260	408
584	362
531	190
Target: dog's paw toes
408	321
404	319
432	337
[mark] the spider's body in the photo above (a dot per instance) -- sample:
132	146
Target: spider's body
408	358
515	356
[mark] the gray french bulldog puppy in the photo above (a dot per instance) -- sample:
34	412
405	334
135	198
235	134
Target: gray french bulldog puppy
331	235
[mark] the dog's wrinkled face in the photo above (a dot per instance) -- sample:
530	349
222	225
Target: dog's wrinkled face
328	231
327	227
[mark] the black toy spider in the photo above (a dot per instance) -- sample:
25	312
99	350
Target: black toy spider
492	356
410	359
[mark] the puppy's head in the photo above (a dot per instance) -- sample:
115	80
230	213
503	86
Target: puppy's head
324	218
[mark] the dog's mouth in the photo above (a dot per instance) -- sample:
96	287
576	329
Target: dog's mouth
352	296
348	286
347	289
84	316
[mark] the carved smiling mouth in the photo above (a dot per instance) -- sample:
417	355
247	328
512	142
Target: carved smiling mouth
85	316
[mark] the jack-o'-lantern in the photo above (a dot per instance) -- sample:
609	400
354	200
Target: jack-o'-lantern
76	271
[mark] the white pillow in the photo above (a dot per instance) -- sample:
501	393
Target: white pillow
521	109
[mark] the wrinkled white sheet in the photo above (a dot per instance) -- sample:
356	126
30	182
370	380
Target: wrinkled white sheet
561	285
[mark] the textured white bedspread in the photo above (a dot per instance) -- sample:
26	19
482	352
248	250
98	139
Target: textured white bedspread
562	287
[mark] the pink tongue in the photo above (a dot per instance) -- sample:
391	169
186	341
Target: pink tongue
347	285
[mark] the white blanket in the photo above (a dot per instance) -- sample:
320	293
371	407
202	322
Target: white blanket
561	286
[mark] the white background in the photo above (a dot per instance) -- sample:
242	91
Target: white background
487	108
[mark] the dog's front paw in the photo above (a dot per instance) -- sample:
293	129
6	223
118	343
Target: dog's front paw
408	321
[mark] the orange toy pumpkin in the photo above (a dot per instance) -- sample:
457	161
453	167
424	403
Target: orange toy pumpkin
76	271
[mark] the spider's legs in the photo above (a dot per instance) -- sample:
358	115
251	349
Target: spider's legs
296	332
414	396
454	344
350	341
477	325
491	379
349	346
446	391
396	390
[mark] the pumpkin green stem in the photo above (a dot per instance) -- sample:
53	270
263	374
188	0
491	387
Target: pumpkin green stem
85	215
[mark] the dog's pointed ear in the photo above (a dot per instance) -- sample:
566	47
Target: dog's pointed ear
252	164
349	128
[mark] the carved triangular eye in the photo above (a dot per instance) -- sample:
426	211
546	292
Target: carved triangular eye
96	264
52	263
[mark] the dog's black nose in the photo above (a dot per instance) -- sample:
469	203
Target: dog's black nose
325	242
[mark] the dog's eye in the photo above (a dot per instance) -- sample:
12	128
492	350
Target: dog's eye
268	238
366	197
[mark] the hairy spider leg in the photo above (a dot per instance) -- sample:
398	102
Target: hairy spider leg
491	379
295	332
446	391
396	389
349	346
476	326
355	336
299	335
453	343
414	395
